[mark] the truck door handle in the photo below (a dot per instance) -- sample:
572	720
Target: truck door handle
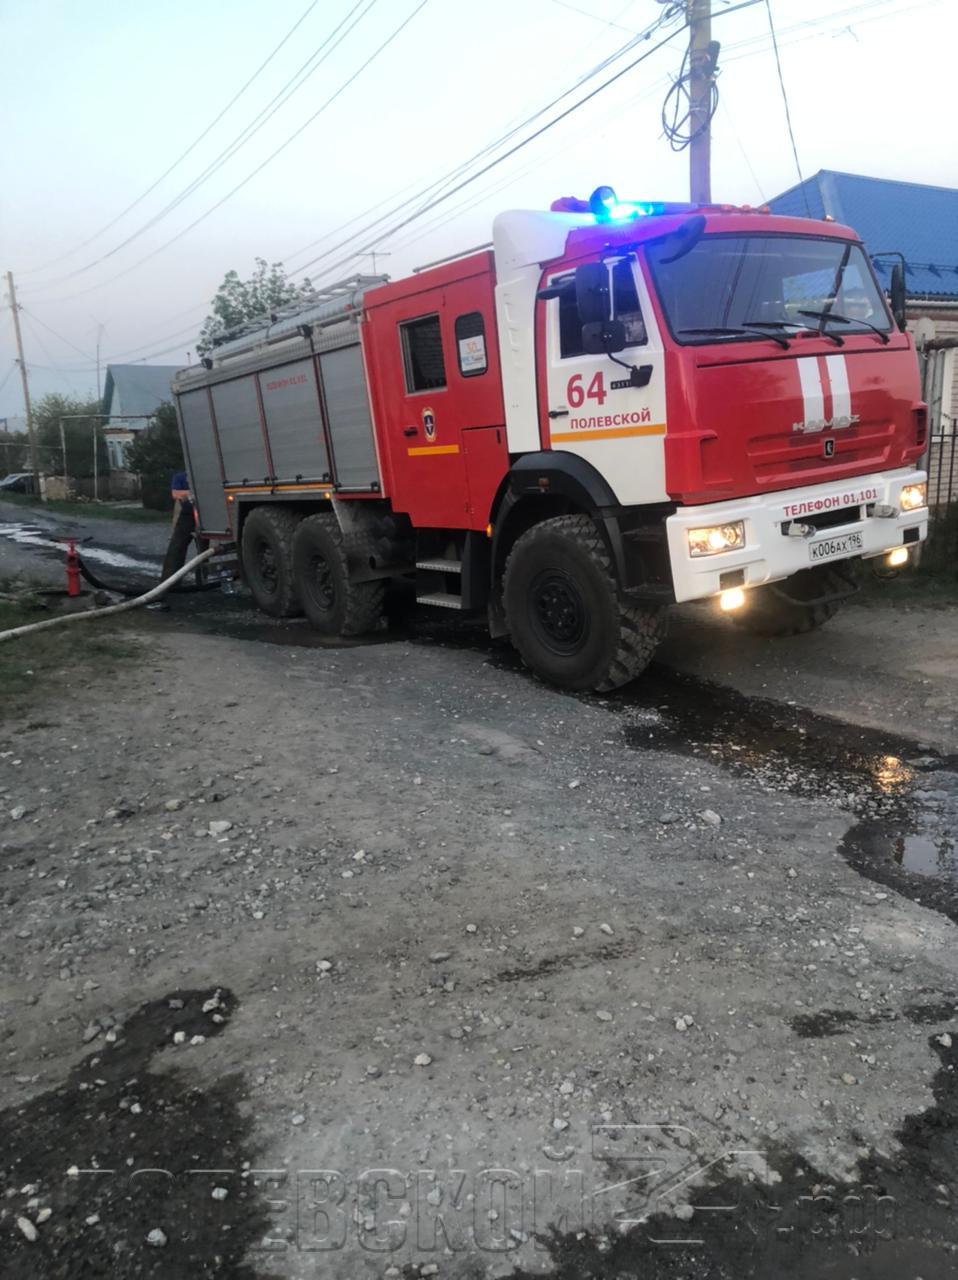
558	413
410	431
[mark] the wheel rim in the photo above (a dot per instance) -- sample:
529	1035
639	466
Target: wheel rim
322	583
267	567
559	615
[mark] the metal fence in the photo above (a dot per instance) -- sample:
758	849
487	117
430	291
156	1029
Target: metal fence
941	550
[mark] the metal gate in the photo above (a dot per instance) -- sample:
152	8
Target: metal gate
940	553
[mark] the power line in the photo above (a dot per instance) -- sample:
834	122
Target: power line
9	374
606	22
59	336
326	49
788	114
741	147
260	167
513	150
433	199
53	366
182	156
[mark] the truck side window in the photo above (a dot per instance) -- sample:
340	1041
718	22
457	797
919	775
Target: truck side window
471	344
627	310
422	354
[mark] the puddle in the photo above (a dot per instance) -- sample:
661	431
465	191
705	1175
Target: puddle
29	535
149	1147
903	793
892	1220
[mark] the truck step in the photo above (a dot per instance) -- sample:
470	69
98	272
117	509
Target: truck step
441	600
440	566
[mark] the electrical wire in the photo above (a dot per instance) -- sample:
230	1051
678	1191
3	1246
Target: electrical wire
53	366
788	114
309	67
741	147
59	336
505	156
432	202
260	167
183	154
8	375
677	107
512	129
606	22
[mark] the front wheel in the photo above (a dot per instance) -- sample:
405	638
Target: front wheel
564	612
803	602
334	605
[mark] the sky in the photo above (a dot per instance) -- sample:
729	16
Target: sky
109	110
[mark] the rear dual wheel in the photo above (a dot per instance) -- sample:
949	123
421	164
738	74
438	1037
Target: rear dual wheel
565	612
335	605
268	559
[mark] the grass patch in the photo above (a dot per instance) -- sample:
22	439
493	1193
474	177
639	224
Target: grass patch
86	510
62	662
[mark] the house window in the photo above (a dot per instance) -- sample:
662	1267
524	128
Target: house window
116	451
471	344
627	309
422	354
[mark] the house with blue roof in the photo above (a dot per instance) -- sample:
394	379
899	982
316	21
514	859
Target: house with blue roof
132	394
920	222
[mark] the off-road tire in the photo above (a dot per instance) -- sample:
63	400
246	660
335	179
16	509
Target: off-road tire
334	604
565	613
268	559
768	613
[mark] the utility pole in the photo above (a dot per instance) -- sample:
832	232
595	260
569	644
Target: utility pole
26	384
701	79
99	335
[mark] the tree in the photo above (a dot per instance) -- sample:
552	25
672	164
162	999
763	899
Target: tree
77	433
14	452
155	454
237	300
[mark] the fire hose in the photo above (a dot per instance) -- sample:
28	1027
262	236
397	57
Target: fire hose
153	594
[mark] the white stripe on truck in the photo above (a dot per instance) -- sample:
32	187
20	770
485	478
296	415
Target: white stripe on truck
813	394
841	396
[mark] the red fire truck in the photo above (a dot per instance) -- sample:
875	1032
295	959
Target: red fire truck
613	407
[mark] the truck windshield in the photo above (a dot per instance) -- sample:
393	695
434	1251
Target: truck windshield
727	287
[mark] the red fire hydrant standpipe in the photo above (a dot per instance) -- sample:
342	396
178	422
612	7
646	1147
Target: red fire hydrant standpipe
86	614
73	569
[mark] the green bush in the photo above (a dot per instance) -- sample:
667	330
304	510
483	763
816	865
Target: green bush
155	454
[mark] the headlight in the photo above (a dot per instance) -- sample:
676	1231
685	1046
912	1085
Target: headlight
717	538
914	496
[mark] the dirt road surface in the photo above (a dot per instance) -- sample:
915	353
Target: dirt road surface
387	960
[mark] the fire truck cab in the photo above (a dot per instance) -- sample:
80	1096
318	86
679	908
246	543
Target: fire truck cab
615	408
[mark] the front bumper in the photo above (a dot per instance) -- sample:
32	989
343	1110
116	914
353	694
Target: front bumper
769	554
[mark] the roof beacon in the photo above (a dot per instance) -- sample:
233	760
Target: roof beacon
607	207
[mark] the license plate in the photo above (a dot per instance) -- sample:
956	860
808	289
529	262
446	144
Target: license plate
828	548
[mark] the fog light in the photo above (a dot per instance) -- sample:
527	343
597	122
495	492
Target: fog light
913	497
895	559
715	539
734	598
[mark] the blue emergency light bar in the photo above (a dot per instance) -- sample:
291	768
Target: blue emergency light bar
605	206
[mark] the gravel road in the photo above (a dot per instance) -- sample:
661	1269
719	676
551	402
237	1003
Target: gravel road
387	960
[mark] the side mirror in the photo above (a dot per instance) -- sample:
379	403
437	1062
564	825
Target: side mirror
898	297
603	337
592	297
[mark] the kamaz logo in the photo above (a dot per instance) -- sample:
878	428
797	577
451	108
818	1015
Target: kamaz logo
812	426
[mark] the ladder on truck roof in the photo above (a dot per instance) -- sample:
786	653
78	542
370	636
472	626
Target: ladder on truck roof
332	305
